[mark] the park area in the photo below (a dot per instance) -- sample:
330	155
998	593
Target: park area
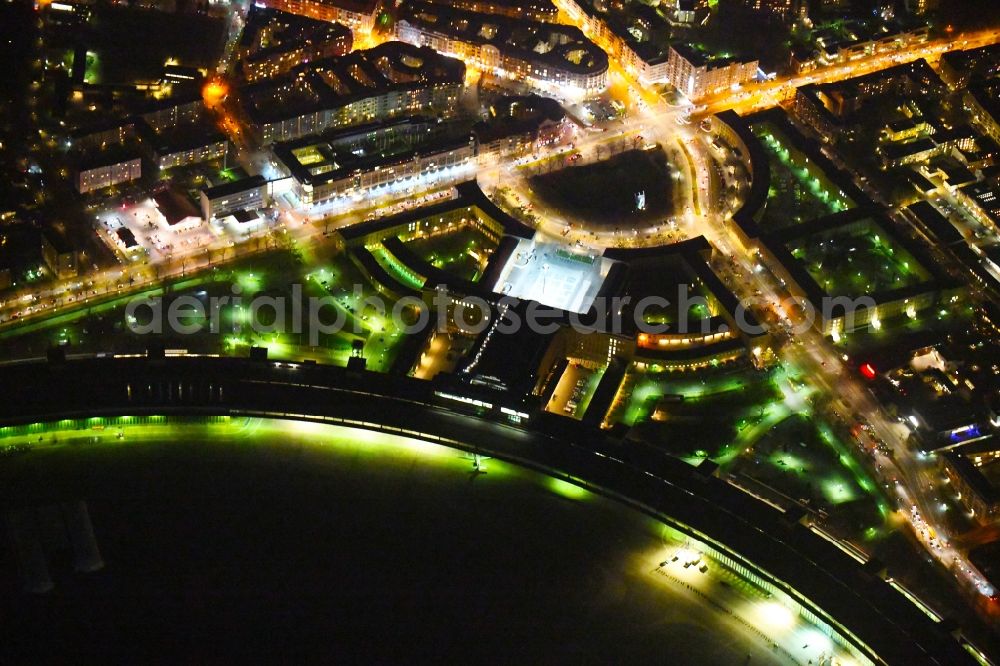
800	458
697	417
283	278
764	433
799	190
857	260
609	194
689	320
461	250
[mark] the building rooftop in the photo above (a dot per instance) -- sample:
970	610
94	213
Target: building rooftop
470	196
332	155
127	237
188	78
987	95
173	101
106	124
980	64
234	187
936	223
955	173
903	124
987	195
699	58
917	73
973	477
517	114
894	151
638	24
335	82
111	154
187	136
919	181
548	44
677	272
174	206
986	148
489	361
244	216
269	31
855	253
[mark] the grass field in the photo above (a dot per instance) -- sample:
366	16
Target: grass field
462	251
281	277
856	261
799	190
604	193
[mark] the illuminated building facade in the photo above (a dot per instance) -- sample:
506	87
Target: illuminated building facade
175	156
172	112
551	57
830	51
190	143
359	15
518	125
245	194
697	76
274	42
390	80
106	169
629	37
976	493
358	162
983	103
536	10
781	251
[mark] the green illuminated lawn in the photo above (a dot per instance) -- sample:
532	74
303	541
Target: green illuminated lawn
856	261
102	326
652	386
701	305
799	190
355	301
709	421
462	251
802	459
